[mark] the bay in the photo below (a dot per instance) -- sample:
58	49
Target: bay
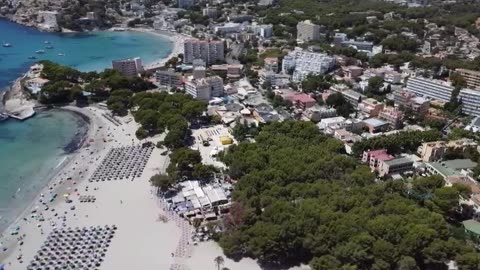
29	153
83	51
31	150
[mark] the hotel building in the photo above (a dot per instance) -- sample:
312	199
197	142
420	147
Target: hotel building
206	88
263	30
128	67
472	77
470	101
207	50
305	63
307	31
185	3
169	78
210	12
434	89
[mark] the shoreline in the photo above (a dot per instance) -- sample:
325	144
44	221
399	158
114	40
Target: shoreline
175	38
131	205
68	157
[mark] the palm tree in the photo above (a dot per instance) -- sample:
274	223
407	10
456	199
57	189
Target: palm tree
219	261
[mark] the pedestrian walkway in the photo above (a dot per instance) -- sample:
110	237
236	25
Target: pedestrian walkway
184	248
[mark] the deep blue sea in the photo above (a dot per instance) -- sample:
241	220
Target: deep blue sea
30	150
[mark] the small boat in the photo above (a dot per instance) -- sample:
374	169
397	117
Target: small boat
32	57
49	47
46	42
40	52
61	54
7	45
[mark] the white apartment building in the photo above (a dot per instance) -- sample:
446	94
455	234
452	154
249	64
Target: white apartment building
307	31
276	79
185	3
263	30
168	78
210	12
198	89
470	101
288	63
228	28
128	67
216	86
207	50
434	89
306	63
205	88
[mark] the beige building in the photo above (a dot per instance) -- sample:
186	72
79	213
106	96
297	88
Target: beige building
433	151
392	115
472	77
394	166
371	107
307	31
271	64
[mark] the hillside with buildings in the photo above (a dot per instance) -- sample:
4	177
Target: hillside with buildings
340	134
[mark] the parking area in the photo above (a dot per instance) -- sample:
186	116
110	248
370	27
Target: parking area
211	140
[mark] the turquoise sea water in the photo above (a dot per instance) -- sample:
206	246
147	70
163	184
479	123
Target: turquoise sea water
83	51
30	150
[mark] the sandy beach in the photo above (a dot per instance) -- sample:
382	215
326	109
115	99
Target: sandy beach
147	235
130	205
176	38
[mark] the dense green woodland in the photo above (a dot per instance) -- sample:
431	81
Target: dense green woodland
67	84
407	141
338	14
299	201
157	112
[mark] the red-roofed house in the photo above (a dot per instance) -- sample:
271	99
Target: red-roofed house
302	101
374	157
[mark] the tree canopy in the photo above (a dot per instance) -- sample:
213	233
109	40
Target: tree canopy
298	201
157	112
395	143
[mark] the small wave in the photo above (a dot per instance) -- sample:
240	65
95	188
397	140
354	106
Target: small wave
61	162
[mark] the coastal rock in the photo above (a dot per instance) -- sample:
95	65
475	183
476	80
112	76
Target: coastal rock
17	104
53	16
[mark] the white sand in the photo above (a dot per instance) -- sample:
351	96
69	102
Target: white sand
142	241
176	38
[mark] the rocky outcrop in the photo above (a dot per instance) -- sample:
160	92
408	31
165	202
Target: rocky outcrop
17	104
55	15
